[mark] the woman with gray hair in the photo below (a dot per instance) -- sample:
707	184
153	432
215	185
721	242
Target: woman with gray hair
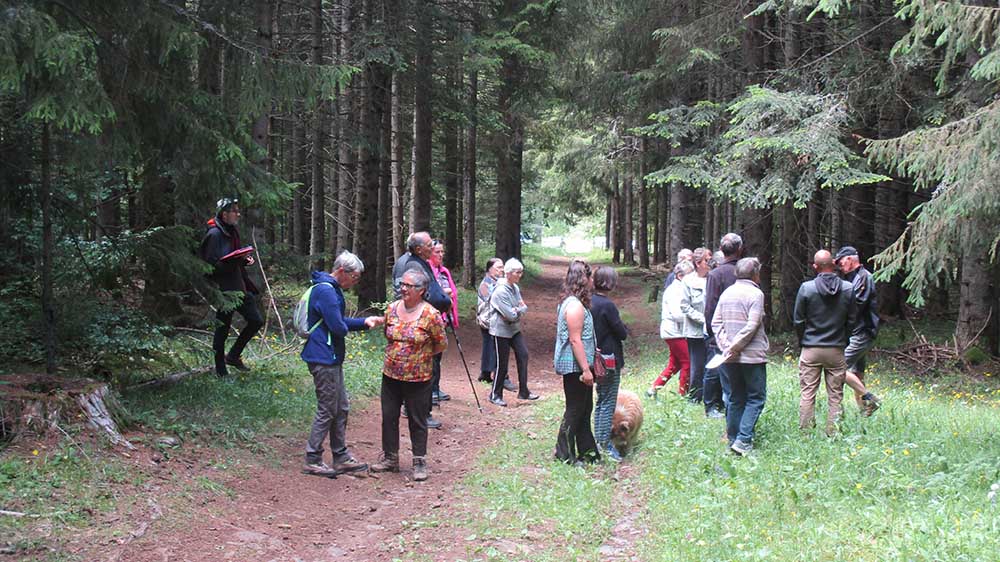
505	327
672	332
414	333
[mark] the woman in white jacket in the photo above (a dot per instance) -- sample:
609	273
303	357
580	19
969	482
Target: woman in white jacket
693	307
672	321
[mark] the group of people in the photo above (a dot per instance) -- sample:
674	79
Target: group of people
713	308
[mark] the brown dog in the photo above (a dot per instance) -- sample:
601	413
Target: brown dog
627	420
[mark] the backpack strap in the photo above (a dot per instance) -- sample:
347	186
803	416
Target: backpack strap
320	321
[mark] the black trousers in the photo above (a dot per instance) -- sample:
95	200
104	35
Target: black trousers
224	320
417	397
435	379
503	347
488	359
696	351
576	438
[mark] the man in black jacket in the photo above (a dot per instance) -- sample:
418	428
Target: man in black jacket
866	329
715	384
824	315
221	238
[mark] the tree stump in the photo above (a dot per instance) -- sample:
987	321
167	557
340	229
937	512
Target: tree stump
37	404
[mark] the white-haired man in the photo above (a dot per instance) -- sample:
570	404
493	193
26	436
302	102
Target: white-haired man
324	354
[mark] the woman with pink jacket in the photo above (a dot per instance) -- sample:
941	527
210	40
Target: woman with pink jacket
443	277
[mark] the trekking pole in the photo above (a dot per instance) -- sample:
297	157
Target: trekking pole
467	372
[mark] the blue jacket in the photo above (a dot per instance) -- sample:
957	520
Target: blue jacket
326	302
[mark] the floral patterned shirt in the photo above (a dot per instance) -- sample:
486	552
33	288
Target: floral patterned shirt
411	346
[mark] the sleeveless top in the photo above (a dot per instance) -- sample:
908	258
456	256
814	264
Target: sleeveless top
563	358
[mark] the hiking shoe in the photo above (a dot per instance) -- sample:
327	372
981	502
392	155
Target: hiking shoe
498	401
651	392
350	464
236	363
870	405
441	396
741	448
319	469
715	414
386	463
419	469
507	385
485	377
612	453
530	396
433	423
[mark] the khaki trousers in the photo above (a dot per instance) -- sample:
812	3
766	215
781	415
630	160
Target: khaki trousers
812	362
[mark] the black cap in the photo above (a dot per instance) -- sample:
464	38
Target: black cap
845	251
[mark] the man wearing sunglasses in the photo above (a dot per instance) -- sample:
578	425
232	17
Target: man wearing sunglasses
221	239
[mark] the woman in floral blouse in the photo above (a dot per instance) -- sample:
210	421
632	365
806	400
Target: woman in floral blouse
415	333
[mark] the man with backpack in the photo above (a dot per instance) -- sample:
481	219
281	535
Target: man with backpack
326	327
222	250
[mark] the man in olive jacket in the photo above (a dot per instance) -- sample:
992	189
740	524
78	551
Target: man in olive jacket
824	315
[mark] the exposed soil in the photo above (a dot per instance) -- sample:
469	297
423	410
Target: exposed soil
271	511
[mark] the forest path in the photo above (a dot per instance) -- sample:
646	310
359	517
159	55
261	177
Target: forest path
271	511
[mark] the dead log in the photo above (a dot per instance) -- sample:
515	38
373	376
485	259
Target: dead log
42	404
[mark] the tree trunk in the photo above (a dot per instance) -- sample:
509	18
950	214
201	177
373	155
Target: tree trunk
757	232
509	147
469	273
366	196
48	308
420	197
977	301
42	405
396	148
643	208
678	218
795	258
299	216
629	223
616	221
451	171
345	153
317	238
264	12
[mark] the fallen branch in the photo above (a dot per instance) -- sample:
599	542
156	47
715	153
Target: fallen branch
176	377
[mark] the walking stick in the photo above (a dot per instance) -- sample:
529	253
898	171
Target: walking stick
467	372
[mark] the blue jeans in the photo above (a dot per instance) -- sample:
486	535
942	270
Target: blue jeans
748	385
696	350
716	383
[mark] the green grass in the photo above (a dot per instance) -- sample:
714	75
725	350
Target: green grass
909	483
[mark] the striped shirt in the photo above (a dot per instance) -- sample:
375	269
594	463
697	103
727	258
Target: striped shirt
565	362
738	323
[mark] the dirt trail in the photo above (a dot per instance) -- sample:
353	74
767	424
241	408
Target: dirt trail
273	512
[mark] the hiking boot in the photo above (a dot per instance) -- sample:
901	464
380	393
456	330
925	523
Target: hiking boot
419	469
433	423
386	463
485	377
350	464
236	363
498	401
220	366
612	453
509	386
871	404
741	448
714	414
319	468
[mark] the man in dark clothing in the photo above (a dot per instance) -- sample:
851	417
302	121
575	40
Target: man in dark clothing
716	384
419	248
220	239
824	316
866	329
324	354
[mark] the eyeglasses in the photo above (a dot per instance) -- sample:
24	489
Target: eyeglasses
405	285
